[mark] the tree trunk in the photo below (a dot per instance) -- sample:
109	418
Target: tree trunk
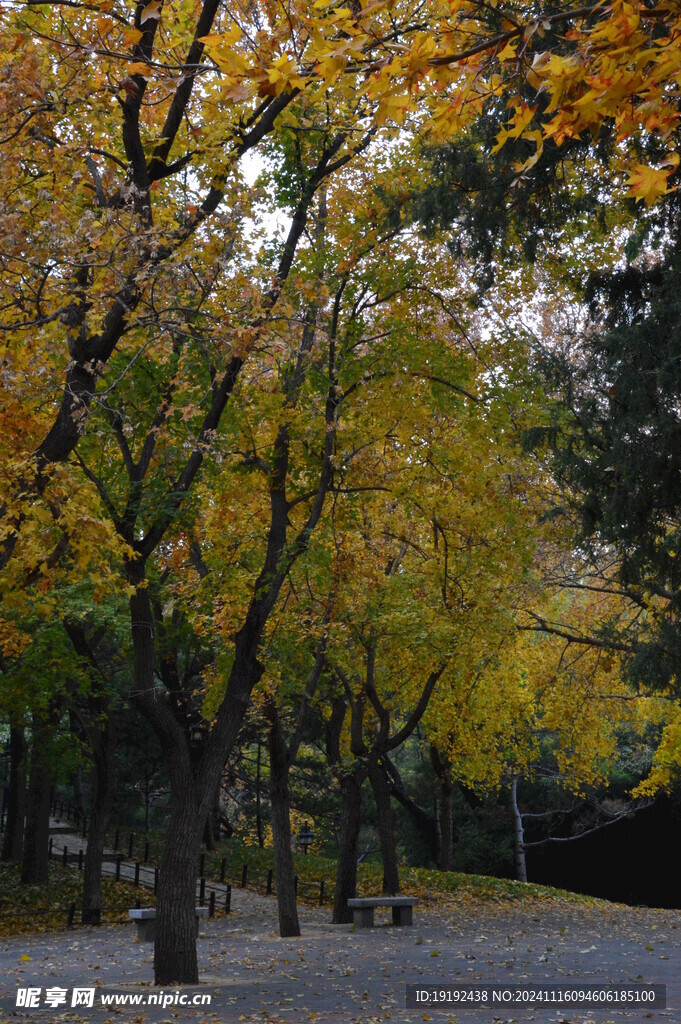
443	770
386	831
34	866
13	839
346	871
518	834
211	832
175	960
446	853
78	783
281	829
258	812
426	824
147	800
193	780
103	776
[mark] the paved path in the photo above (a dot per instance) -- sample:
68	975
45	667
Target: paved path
336	975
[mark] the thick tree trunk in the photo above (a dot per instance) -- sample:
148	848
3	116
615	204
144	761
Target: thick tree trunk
281	830
192	784
386	830
446	852
211	832
103	775
175	960
518	833
34	865
13	839
346	871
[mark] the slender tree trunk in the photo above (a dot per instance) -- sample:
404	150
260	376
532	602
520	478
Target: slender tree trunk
103	776
147	802
446	854
281	829
518	834
346	871
34	866
78	786
443	767
13	839
386	831
426	824
258	812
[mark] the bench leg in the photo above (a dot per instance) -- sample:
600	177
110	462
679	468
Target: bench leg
146	930
363	917
402	915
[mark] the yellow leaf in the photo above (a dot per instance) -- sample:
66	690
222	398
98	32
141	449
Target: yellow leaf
508	52
132	36
139	68
648	183
501	139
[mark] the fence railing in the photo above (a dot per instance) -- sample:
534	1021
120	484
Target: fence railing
251	876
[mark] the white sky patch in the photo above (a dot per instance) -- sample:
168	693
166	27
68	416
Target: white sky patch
270	222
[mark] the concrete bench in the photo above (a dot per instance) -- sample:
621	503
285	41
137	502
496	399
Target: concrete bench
145	918
363	909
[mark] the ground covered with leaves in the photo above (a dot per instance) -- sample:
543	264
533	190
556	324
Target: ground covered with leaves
338	974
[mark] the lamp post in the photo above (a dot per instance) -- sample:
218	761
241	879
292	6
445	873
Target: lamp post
305	837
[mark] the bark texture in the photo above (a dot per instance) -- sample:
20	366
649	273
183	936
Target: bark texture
346	871
175	959
281	830
446	852
13	839
386	829
103	781
34	864
518	832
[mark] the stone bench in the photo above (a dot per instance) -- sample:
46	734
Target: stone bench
363	909
145	918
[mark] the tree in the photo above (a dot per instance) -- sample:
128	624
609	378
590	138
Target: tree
15	794
614	448
128	258
97	716
144	490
